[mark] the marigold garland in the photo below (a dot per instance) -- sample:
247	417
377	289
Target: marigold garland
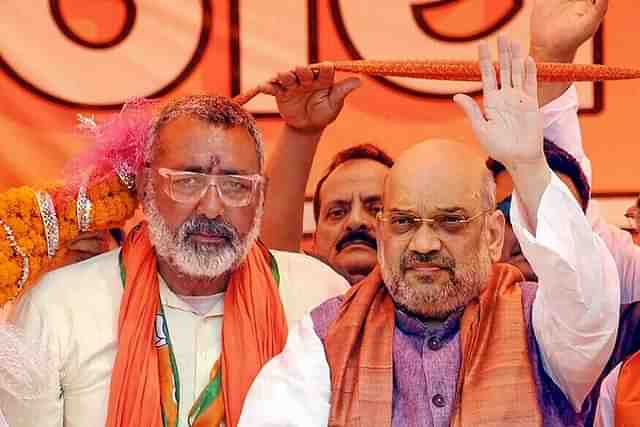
112	202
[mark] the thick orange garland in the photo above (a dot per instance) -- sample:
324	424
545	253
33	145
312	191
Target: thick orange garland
112	203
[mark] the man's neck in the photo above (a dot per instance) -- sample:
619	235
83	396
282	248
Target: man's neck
182	284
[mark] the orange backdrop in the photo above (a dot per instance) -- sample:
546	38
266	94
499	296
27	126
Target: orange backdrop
62	57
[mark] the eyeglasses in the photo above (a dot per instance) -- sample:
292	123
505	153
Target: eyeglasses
402	224
189	187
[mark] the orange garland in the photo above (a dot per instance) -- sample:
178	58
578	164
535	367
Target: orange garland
112	202
469	71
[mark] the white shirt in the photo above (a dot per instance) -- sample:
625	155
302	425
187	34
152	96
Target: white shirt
575	320
74	311
562	127
606	409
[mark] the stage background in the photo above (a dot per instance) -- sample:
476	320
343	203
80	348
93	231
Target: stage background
62	57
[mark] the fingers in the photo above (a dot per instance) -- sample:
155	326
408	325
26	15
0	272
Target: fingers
486	69
531	79
517	65
504	57
287	80
271	88
326	73
92	244
343	88
470	108
318	76
305	76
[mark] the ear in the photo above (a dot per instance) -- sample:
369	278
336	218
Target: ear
495	234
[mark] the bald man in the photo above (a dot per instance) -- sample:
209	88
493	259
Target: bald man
439	334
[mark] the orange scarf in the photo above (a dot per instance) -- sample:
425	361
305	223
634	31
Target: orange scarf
254	330
627	406
495	357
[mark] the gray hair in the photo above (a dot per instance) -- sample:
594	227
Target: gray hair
216	110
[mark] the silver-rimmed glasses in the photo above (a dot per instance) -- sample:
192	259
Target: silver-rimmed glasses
189	187
404	224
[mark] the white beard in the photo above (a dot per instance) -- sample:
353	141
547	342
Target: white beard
194	260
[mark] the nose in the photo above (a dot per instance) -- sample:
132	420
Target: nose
210	204
425	240
358	219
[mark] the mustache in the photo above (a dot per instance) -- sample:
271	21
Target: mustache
416	258
357	235
211	227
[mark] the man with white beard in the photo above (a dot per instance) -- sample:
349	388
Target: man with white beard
137	335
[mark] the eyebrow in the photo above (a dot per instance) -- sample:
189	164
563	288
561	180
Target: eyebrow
453	209
335	202
372	199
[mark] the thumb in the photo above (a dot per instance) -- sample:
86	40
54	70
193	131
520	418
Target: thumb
601	7
470	108
343	88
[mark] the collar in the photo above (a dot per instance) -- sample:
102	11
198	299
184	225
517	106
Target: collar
444	331
172	301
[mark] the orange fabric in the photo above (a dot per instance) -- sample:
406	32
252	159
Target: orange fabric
134	398
359	352
627	406
254	330
495	357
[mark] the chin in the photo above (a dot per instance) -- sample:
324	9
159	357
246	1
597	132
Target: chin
355	272
357	260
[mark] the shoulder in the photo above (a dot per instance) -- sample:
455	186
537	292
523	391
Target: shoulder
76	286
302	270
324	315
305	283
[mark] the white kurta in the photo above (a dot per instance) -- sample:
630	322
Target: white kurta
561	126
575	320
74	311
605	412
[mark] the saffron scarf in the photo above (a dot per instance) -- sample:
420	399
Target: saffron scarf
145	386
495	357
627	406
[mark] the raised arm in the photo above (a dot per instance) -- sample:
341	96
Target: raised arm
558	28
308	101
510	130
575	313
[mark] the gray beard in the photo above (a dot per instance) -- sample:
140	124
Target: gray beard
194	260
459	291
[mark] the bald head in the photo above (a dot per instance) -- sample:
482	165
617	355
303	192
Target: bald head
442	173
431	269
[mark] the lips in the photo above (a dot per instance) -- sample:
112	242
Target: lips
206	231
426	268
358	242
427	264
208	237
